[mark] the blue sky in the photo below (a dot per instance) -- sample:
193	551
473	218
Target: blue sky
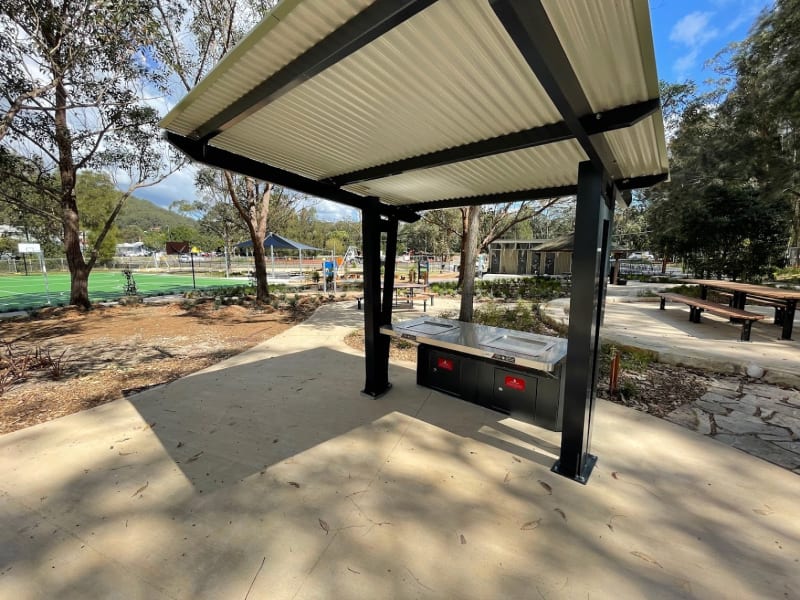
686	34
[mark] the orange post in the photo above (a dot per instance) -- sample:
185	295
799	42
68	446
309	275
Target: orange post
614	376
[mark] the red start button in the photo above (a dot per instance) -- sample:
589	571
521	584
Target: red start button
445	363
515	383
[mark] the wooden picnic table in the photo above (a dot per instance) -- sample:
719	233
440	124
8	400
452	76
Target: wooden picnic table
411	291
786	299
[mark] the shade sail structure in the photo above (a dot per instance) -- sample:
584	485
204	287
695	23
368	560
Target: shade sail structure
419	104
278	242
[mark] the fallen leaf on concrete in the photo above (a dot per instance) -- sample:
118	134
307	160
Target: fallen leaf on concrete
561	512
324	526
546	487
507	477
516	459
614	474
179	444
194	457
610	523
463	539
646	558
531	525
141	489
354	571
294	484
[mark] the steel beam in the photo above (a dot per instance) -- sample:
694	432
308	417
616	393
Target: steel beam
531	194
368	25
589	259
229	161
594	123
527	23
645	181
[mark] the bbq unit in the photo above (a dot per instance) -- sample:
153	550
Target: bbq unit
516	373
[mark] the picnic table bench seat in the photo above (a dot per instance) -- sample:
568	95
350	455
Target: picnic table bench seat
697	306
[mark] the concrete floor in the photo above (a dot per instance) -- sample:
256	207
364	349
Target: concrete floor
271	476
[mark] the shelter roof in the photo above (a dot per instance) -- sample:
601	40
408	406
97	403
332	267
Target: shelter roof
418	104
278	242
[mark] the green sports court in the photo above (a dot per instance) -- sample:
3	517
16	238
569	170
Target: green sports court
25	292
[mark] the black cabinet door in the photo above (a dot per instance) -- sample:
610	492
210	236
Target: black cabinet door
514	392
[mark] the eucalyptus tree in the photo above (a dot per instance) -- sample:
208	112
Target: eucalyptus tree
23	206
73	79
197	35
765	105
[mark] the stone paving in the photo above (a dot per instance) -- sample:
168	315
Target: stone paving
760	419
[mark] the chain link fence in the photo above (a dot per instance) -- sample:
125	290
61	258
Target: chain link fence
239	265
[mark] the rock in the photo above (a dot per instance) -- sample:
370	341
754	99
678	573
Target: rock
754	371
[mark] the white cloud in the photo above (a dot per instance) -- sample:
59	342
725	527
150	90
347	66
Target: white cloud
748	11
685	63
693	30
178	186
333	211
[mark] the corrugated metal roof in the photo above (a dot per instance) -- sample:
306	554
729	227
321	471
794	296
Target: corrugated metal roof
544	167
445	77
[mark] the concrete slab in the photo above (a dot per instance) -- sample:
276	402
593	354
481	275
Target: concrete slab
271	476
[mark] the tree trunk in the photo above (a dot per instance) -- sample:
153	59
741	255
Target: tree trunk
463	246
254	213
78	269
468	256
260	265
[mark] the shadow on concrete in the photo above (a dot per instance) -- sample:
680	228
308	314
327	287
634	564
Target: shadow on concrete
243	419
278	475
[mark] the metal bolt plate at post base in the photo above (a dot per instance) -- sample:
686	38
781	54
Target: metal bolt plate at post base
377	394
589	461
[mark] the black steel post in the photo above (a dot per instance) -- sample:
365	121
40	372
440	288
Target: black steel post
194	285
590	253
376	345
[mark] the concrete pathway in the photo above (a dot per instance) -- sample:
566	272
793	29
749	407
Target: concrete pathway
270	476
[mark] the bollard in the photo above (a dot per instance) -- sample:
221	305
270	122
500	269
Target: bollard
614	375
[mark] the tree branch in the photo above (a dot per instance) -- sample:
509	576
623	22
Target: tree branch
18	104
